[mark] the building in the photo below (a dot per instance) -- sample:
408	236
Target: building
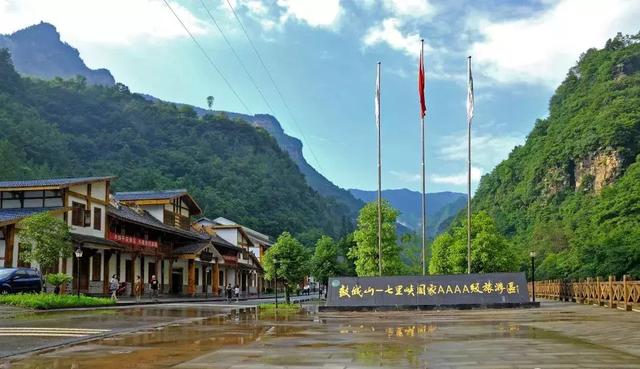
242	265
82	203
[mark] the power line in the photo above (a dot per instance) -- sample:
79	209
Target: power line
275	85
246	71
204	52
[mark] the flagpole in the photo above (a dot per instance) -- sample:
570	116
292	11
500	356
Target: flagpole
469	177
379	179
423	202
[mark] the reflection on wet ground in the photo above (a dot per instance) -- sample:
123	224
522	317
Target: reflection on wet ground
555	336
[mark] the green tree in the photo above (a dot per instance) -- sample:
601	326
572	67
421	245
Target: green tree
210	100
288	261
324	263
365	252
490	251
46	240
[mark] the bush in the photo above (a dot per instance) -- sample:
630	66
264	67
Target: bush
44	301
58	279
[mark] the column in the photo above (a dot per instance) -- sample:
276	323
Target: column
215	276
105	271
191	287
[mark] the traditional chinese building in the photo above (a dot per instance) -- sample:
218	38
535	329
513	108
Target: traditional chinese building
188	260
242	266
81	203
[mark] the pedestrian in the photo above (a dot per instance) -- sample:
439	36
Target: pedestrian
228	292
154	288
237	293
113	286
137	288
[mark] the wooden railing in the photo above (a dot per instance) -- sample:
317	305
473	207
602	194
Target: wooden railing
611	293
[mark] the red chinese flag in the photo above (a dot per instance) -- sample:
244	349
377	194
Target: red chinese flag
423	105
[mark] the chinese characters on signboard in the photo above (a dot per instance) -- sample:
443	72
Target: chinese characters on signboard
459	289
431	289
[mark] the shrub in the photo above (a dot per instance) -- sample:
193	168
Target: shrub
44	301
58	279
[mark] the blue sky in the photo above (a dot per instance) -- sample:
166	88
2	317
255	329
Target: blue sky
323	53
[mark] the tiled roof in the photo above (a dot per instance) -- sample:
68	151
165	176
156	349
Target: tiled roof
12	215
81	239
149	195
191	248
145	219
52	182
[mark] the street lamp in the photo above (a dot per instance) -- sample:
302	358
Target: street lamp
78	253
275	272
532	255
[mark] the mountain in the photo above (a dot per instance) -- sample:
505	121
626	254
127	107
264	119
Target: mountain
38	51
441	206
572	191
70	128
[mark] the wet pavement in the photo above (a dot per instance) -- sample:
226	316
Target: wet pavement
558	335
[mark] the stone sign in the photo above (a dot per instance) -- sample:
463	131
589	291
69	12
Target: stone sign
492	289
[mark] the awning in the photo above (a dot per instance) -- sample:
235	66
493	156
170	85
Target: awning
87	241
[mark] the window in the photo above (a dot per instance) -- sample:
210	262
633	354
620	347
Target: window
95	267
197	277
97	219
221	278
77	214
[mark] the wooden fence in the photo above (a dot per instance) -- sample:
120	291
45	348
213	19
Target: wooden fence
611	293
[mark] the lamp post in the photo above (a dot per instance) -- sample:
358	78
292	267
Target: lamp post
532	255
78	253
275	264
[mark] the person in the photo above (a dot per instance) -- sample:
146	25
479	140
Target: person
228	292
237	293
306	289
154	288
113	286
137	288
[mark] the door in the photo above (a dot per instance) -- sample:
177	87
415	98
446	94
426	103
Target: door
176	281
35	281
20	281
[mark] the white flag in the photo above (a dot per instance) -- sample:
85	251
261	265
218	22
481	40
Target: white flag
469	93
377	98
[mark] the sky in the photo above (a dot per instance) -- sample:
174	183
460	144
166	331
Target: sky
322	55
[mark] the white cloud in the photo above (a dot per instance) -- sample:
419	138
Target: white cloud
458	179
389	32
409	8
487	150
315	13
406	176
541	48
101	22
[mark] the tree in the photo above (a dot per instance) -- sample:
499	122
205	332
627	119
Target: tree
288	261
490	251
46	240
210	100
57	280
365	252
324	263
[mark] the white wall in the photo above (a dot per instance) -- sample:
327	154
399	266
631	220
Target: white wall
229	235
89	230
157	211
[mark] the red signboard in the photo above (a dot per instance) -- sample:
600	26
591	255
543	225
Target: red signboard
130	240
228	259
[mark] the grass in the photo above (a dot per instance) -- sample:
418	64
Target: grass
45	301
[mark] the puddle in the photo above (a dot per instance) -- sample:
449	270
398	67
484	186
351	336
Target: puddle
208	339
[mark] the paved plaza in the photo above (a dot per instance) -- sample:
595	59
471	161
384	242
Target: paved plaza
186	336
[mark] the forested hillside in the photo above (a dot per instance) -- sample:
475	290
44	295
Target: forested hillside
572	191
69	128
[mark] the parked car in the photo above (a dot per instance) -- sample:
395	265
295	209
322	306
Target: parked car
15	280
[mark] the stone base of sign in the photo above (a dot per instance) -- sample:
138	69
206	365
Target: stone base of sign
510	305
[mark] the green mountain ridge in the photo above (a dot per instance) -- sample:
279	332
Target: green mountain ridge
70	128
572	191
